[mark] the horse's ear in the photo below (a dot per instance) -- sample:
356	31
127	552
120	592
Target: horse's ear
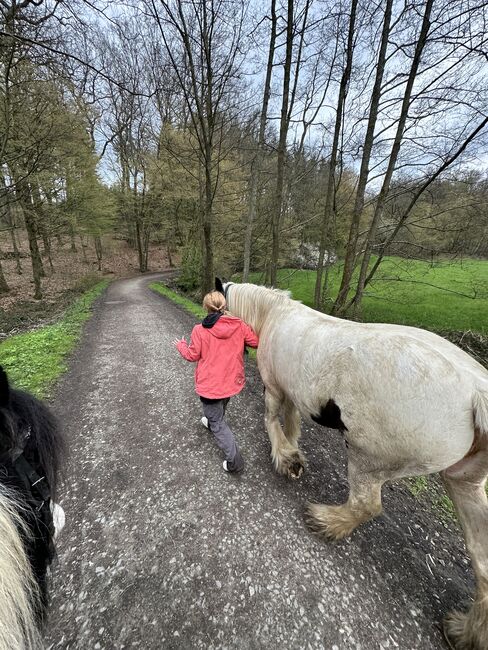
218	285
4	388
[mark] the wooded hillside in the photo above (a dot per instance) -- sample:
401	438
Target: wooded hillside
229	136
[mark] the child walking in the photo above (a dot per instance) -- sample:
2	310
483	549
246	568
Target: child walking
217	344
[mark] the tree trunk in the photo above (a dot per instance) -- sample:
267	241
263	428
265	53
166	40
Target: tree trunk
350	256
330	192
83	249
46	243
280	172
170	259
4	288
146	224
140	252
98	250
18	265
10	222
147	236
257	161
24	197
72	237
138	212
207	121
380	203
40	220
208	278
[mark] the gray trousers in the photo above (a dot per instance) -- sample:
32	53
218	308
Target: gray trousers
214	411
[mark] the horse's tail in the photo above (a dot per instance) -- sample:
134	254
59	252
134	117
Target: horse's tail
480	410
19	593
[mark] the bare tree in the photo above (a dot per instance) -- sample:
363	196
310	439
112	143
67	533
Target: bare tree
365	162
258	156
288	98
440	94
203	41
381	199
417	192
331	177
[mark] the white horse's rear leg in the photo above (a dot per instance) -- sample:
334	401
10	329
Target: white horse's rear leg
364	502
465	484
287	458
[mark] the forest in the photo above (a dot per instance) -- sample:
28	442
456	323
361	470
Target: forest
229	137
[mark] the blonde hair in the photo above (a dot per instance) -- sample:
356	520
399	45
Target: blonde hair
19	593
214	301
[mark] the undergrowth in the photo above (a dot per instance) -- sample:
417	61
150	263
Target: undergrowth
35	360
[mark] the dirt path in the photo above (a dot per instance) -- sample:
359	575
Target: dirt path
162	549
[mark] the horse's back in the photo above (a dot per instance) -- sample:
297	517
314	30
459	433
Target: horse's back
319	336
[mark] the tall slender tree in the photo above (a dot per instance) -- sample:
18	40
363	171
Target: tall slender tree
331	176
257	160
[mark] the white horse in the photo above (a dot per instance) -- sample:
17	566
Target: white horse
408	402
19	592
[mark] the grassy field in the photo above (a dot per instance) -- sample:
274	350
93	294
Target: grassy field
35	360
448	296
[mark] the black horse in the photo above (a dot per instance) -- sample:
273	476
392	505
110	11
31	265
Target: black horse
32	451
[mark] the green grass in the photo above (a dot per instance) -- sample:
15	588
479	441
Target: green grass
449	296
417	485
189	305
35	360
429	488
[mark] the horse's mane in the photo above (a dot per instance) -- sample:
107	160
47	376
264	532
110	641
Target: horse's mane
252	302
44	430
19	593
32	451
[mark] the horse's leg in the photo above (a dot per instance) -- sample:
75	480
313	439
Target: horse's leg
364	503
465	484
286	457
291	422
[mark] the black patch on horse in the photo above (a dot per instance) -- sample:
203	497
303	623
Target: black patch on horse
219	286
330	416
4	389
32	451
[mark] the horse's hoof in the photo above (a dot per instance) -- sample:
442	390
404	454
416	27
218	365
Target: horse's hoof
295	470
291	465
329	522
314	523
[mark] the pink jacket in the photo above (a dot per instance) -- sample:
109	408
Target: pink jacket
219	350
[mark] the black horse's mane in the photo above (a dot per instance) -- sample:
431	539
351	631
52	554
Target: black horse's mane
44	435
32	452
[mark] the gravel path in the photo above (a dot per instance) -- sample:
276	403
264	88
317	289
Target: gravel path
162	549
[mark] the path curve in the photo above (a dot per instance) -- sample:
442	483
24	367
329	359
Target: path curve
162	549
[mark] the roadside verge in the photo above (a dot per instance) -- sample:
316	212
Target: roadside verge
34	361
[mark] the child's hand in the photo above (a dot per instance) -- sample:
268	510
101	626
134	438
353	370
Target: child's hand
177	341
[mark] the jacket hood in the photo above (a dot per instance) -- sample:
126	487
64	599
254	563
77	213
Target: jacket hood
209	321
220	325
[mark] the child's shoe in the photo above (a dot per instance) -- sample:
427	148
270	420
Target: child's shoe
204	421
226	467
